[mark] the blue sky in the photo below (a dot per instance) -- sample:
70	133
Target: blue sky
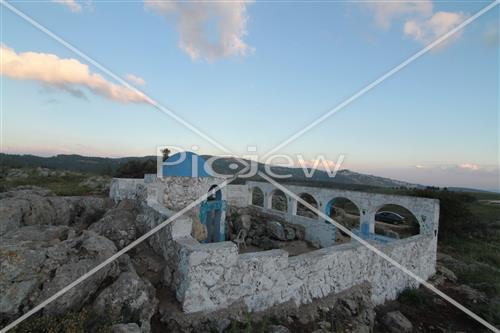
434	122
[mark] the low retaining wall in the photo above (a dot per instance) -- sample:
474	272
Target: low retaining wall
214	275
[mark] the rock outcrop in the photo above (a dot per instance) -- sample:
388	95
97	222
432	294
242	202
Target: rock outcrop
128	297
29	205
38	261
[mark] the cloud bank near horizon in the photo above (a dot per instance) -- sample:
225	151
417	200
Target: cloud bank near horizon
68	75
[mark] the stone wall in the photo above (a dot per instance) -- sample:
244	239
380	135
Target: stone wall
214	275
425	210
238	195
124	188
207	277
172	193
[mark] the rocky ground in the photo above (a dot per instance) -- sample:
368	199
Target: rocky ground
48	241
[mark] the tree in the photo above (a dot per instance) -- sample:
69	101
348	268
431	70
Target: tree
136	169
455	217
166	152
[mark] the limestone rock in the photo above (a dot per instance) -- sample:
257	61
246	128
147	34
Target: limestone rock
126	328
278	329
396	322
443	274
469	295
38	261
130	298
12	211
99	183
118	225
83	253
243	222
34	206
276	230
289	233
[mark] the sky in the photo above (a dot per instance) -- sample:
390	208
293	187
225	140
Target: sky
254	74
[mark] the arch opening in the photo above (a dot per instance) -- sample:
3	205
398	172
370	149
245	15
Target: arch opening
346	213
396	221
279	201
257	197
304	211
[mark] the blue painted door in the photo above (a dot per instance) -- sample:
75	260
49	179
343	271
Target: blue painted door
210	217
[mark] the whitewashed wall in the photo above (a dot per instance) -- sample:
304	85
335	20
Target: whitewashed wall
207	277
214	276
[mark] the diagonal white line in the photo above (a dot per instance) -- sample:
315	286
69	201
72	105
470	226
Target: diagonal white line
72	48
180	213
380	253
383	78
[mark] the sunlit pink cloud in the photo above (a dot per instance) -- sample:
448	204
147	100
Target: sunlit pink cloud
68	75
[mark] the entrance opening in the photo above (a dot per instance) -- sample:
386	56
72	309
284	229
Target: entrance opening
210	215
346	213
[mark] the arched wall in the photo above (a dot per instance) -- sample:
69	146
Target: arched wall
295	203
425	210
251	191
268	199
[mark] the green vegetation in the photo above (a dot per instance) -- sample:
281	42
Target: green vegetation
76	163
136	169
469	231
61	183
71	322
415	297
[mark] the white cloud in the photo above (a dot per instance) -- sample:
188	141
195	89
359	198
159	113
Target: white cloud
386	12
470	166
491	36
207	30
459	167
420	21
427	30
69	75
71	4
136	79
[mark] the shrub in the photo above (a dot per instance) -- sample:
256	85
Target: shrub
136	169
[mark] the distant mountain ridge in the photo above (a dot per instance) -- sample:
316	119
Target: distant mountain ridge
109	165
99	165
345	176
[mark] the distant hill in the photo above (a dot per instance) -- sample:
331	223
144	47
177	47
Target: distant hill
98	165
107	166
319	177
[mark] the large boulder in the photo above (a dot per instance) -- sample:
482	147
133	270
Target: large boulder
83	253
38	261
243	222
12	211
118	225
126	328
130	299
396	322
276	230
34	206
